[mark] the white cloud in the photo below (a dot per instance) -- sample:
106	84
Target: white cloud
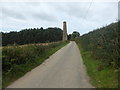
58	0
19	15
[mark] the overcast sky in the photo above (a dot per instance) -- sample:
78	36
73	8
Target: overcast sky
80	16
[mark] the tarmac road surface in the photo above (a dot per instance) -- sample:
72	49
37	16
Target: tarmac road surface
64	69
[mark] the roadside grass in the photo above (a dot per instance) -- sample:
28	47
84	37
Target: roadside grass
100	77
18	71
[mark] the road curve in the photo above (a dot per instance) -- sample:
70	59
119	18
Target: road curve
64	69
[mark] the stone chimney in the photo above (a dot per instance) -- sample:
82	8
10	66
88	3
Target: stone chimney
64	31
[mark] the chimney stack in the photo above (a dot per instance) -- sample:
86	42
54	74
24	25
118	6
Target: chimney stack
64	31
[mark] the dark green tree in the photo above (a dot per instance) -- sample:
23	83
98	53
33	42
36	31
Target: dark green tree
75	34
35	35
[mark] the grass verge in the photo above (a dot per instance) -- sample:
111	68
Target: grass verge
100	77
18	70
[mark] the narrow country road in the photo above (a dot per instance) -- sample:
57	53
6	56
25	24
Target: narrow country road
64	69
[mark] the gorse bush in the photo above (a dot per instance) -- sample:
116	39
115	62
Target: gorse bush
17	55
103	43
101	52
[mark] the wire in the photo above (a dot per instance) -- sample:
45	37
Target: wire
87	11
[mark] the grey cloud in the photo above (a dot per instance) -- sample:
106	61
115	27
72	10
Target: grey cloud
11	13
44	16
75	9
52	14
96	13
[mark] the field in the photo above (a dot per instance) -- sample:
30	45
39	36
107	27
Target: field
17	60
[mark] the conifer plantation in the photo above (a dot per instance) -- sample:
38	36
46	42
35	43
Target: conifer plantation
35	35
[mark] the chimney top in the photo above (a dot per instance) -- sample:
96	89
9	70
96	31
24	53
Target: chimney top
64	22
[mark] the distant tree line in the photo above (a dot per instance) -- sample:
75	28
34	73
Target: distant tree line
35	35
104	44
74	35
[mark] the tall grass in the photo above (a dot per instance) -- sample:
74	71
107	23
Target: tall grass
104	44
18	60
101	76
